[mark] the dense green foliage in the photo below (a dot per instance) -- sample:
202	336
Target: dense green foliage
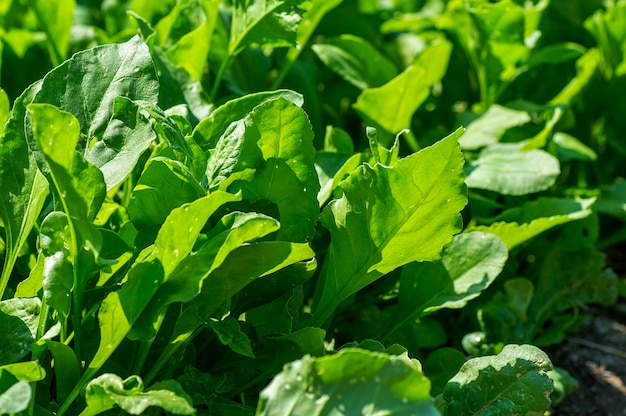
313	207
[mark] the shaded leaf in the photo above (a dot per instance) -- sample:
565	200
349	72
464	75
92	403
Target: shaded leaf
469	264
24	188
18	328
165	184
512	382
352	380
229	333
15	395
356	60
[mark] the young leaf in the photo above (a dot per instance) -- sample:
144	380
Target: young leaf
469	264
109	390
264	22
207	133
55	19
356	60
270	156
512	382
489	127
165	184
503	168
185	34
518	225
229	333
315	11
350	381
388	217
392	105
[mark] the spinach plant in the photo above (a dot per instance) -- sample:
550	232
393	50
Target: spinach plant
303	207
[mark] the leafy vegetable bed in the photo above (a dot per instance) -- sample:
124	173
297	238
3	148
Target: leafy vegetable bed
314	207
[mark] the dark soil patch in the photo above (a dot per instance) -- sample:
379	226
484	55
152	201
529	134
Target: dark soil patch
596	356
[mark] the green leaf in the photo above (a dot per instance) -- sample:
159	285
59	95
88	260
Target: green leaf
58	270
441	365
55	19
18	328
109	390
270	156
229	333
15	395
392	105
512	382
356	60
607	27
316	10
571	277
469	264
570	148
586	67
121	309
612	201
489	127
239	264
24	189
29	371
165	184
504	169
265	23
350	381
207	133
388	217
185	34
176	87
518	225
186	281
67	368
79	188
87	84
128	134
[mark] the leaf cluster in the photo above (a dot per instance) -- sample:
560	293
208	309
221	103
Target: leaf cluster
304	207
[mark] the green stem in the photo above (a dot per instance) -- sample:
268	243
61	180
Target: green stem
218	78
7	268
87	375
411	141
169	352
290	59
55	54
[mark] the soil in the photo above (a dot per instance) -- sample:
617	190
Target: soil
596	356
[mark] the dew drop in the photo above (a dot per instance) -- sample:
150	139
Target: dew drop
287	386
